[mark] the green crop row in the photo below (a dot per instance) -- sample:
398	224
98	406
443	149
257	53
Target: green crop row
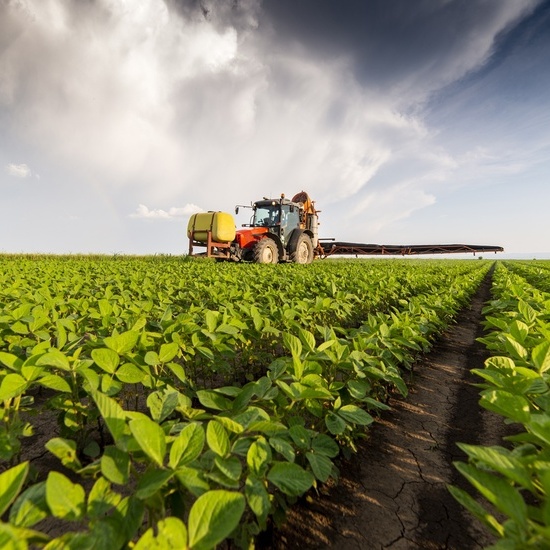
536	273
197	401
515	480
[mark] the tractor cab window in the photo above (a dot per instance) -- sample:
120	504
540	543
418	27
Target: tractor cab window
291	217
267	216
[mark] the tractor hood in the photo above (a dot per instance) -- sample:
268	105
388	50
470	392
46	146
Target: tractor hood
247	237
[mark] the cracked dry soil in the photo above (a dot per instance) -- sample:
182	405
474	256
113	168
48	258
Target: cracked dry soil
392	494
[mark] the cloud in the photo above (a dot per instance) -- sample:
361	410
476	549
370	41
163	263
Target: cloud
390	205
19	170
143	211
205	103
405	52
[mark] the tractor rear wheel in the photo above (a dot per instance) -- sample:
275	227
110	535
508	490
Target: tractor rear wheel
303	254
266	252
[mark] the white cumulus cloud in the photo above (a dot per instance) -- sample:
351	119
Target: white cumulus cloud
143	211
19	170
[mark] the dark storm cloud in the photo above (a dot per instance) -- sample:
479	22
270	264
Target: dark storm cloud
398	44
510	90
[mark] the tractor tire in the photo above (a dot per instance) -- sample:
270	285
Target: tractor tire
303	253
266	252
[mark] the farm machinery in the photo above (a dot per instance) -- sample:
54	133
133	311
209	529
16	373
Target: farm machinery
283	230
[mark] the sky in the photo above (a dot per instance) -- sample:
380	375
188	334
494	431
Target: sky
408	122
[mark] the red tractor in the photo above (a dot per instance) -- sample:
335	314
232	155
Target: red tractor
280	230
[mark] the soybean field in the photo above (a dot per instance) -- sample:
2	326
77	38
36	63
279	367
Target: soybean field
182	403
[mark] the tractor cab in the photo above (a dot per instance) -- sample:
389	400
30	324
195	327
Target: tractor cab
280	217
280	230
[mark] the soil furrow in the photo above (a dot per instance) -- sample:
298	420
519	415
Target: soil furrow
393	493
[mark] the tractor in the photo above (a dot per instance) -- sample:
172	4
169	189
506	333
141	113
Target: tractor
280	230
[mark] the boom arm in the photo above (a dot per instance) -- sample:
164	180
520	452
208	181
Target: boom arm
359	249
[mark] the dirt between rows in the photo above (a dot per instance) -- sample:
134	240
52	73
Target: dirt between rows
393	493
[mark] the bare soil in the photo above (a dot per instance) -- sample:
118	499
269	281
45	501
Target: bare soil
393	493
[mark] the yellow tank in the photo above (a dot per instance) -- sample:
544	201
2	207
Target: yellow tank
221	224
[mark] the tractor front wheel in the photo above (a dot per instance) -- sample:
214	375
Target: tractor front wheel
303	254
266	252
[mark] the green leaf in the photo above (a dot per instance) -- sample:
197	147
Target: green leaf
514	349
300	436
112	413
335	424
11	361
193	480
109	385
506	404
519	331
230	425
122	343
529	314
151	482
130	374
321	466
19	328
65	499
206	352
213	400
258	457
258	498
105	307
213	517
129	513
463	498
355	415
30	507
55	382
230	467
539	425
150	437
324	445
106	359
31	372
497	491
168	352
327	344
283	447
102	499
500	460
187	446
152	358
65	450
18	538
357	388
500	363
171	534
211	318
217	438
541	356
178	371
11	482
162	404
91	378
293	344
115	465
54	358
290	478
307	338
12	385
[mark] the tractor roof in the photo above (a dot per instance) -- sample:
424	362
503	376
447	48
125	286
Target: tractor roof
274	202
